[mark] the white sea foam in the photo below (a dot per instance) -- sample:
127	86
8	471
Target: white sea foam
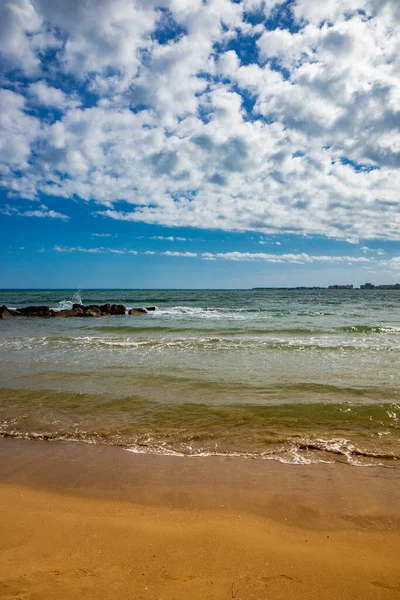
153	342
67	304
185	312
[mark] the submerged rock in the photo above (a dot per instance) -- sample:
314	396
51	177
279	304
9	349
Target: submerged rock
92	311
75	312
137	312
5	313
150	308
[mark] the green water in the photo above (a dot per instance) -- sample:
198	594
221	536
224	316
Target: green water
298	376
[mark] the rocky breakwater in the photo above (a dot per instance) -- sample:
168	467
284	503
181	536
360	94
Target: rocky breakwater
27	311
77	310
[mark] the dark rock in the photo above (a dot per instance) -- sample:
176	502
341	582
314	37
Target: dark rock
36	311
5	313
91	311
118	309
137	312
150	308
105	309
27	310
77	312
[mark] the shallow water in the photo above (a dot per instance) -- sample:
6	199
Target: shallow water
299	376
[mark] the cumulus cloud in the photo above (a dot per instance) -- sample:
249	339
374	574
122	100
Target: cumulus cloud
45	95
196	114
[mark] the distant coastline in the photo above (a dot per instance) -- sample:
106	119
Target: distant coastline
365	286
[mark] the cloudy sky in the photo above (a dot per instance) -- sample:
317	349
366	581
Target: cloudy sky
199	143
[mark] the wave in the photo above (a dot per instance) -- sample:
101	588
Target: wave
369	329
226	342
233	312
356	431
152	324
299	452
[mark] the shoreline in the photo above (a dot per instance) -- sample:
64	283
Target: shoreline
99	522
337	493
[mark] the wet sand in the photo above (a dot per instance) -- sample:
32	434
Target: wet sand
80	521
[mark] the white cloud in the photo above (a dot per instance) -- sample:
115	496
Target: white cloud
19	24
8	210
163	125
185	254
297	259
41	212
18	131
366	250
99	250
169	238
49	96
301	258
51	214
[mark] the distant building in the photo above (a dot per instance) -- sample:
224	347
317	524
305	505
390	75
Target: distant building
386	286
340	287
367	286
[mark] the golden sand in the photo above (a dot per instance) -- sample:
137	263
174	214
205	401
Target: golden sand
73	541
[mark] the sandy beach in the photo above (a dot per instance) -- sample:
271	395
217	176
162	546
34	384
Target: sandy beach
79	521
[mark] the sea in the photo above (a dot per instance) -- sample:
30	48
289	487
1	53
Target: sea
298	376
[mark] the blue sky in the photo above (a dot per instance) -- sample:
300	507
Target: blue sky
199	143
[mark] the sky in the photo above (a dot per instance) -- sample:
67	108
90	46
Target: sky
199	143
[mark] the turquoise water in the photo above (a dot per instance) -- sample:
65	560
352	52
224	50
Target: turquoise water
298	376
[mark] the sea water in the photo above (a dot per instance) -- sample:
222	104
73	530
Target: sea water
298	376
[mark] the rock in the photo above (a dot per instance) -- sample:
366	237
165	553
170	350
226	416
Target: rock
150	308
118	309
105	309
91	311
137	312
36	311
80	311
77	312
5	313
91	306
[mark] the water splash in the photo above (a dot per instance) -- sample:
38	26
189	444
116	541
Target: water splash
67	304
76	298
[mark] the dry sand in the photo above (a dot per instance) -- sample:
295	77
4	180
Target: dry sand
88	522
